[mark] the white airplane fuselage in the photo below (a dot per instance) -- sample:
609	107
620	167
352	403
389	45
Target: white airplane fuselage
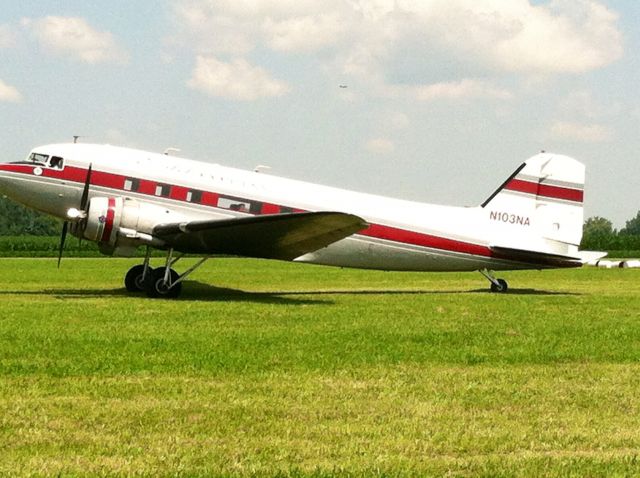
402	235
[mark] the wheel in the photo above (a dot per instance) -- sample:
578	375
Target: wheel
133	279
155	285
501	286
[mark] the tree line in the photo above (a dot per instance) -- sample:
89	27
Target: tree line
17	220
598	232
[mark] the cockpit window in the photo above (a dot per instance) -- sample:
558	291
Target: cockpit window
39	158
56	162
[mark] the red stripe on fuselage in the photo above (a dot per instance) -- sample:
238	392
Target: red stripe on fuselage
425	240
17	168
179	193
116	181
268	208
108	223
210	199
545	190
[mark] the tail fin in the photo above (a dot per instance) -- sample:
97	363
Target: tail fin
547	190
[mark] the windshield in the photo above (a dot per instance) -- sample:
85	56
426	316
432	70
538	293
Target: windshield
39	158
54	162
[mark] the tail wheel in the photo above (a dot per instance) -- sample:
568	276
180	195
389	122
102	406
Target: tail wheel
133	280
155	285
501	286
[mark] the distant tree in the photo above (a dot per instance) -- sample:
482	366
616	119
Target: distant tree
597	233
17	220
632	228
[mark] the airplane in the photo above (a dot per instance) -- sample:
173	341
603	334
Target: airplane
125	198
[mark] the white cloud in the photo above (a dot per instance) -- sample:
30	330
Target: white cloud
237	80
380	146
437	43
236	27
586	133
308	33
562	36
207	32
9	93
466	88
200	9
74	37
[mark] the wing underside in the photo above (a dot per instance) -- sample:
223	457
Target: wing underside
277	236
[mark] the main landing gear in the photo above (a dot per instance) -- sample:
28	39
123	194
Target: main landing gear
163	281
497	285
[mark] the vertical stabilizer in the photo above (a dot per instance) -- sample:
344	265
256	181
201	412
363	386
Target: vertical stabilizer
548	190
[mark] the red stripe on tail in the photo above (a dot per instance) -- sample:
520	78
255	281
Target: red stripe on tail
545	190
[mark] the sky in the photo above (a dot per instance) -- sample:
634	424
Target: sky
428	100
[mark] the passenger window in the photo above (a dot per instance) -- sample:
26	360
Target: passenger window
194	196
234	204
255	208
163	190
131	184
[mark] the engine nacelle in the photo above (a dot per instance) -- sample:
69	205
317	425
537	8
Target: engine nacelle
120	222
103	219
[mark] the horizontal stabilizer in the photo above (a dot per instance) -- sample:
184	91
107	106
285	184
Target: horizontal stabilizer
591	257
276	236
542	259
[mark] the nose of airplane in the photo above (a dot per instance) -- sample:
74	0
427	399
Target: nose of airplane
9	180
4	180
16	184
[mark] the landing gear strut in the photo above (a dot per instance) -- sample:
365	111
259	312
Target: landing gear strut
497	285
161	282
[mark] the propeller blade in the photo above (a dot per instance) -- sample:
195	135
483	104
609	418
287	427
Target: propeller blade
84	200
63	237
85	191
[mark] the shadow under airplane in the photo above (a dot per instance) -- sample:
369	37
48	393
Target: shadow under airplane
199	291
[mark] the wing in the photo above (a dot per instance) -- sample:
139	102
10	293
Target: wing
277	236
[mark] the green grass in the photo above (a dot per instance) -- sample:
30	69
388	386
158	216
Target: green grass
277	369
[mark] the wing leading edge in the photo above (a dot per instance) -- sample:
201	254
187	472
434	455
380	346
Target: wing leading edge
277	236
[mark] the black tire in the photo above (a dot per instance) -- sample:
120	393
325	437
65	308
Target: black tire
155	286
500	287
133	279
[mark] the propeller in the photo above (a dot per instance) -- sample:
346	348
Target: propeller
76	215
65	227
85	191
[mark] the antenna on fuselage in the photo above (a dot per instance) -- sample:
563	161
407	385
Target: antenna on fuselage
169	151
75	138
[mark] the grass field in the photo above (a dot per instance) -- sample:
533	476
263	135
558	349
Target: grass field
277	369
